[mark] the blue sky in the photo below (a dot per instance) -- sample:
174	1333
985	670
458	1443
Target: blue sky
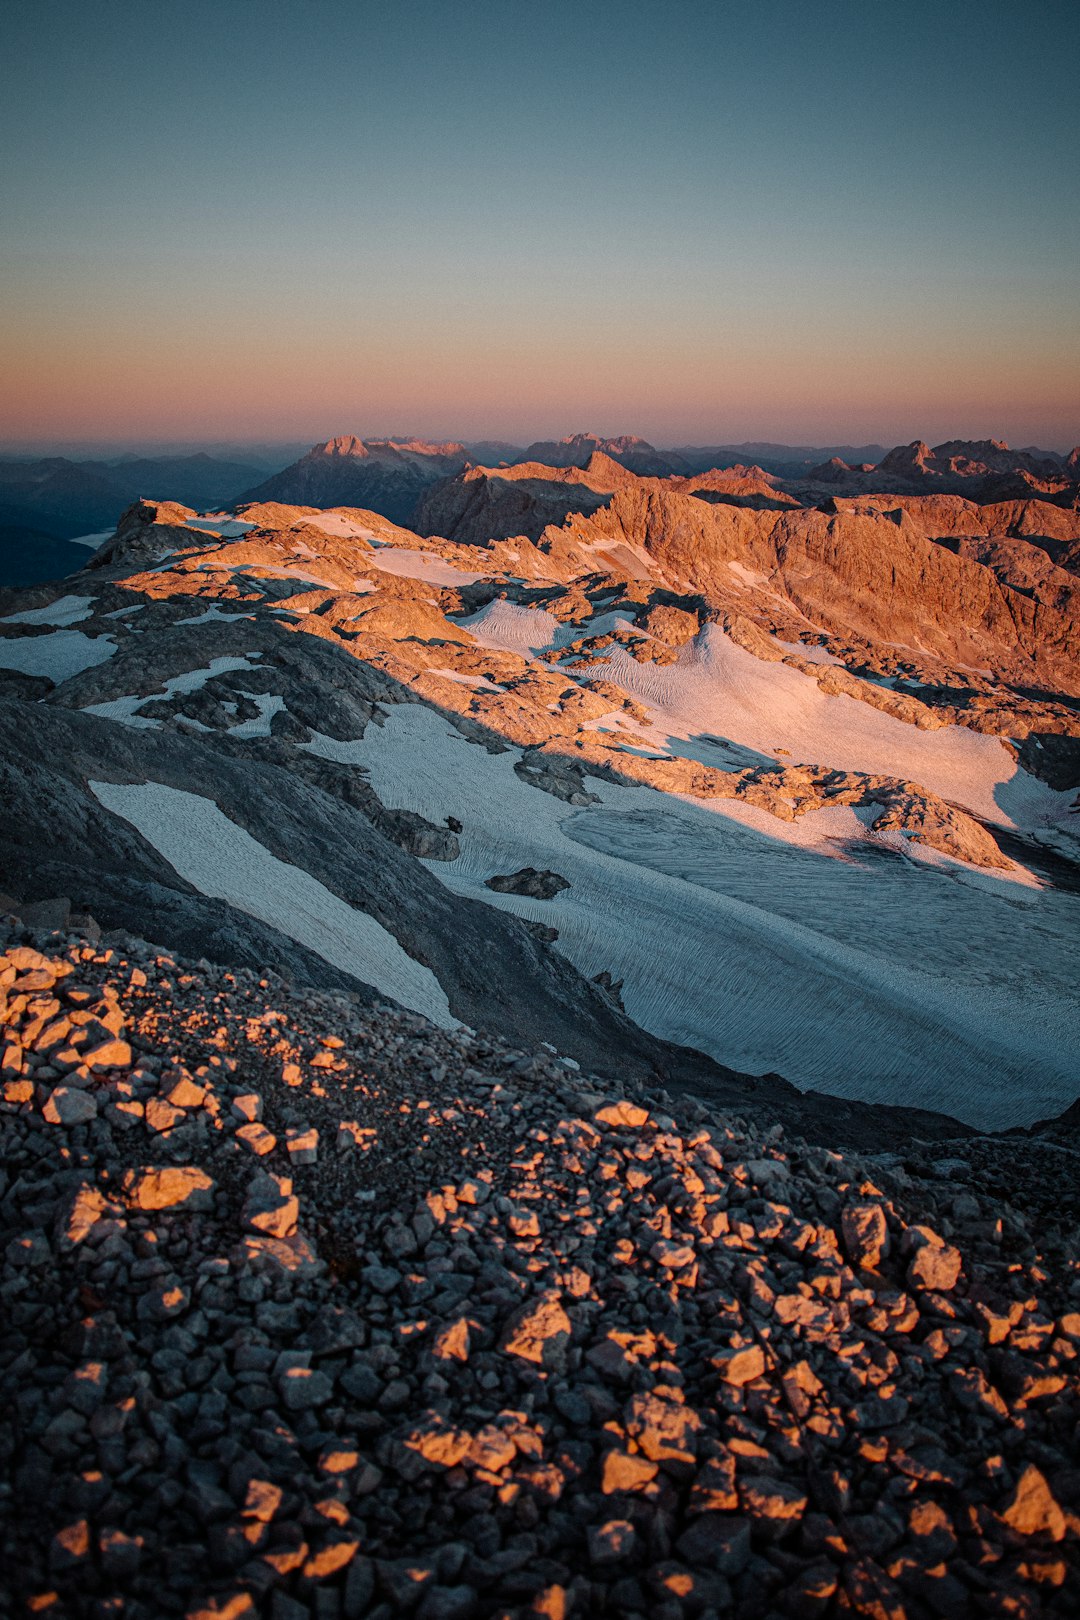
698	222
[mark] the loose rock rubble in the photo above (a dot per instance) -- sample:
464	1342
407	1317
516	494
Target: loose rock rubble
309	1308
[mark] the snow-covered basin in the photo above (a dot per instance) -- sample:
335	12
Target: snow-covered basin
223	861
508	627
716	687
928	986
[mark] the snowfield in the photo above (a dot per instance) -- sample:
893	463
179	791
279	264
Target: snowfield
223	861
64	611
717	686
867	977
59	655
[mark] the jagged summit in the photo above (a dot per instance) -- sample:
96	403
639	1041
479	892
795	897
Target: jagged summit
577	448
386	475
347	444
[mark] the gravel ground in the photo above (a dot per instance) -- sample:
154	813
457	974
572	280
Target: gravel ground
312	1309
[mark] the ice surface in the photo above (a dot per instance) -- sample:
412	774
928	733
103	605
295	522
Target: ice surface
879	980
59	655
223	861
64	611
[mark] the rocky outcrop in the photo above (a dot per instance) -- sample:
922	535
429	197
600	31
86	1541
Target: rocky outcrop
145	533
538	885
860	573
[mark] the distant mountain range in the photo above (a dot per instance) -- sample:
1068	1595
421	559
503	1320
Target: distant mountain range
66	498
55	499
396	478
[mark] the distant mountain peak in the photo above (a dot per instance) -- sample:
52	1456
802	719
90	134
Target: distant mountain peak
348	444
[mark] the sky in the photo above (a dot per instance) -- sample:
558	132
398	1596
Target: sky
699	222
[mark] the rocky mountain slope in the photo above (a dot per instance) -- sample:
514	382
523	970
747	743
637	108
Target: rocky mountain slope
657	786
312	1308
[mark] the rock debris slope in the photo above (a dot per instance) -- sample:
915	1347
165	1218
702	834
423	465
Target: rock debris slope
313	1308
309	739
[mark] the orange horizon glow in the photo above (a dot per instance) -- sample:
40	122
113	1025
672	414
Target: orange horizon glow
724	225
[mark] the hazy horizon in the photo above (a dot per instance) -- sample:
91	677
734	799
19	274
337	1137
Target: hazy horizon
725	223
299	443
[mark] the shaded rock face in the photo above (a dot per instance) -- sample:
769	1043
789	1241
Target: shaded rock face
540	885
384	475
529	1343
66	839
578	449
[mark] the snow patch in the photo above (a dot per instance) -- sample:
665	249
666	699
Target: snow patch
125	709
718	687
269	704
412	564
64	611
479	683
335	523
59	655
504	626
93	540
225	862
812	651
229	528
213	614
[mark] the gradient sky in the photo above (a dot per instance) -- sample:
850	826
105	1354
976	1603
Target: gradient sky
701	222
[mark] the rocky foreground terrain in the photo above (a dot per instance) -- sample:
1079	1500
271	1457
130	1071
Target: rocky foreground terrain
311	1308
